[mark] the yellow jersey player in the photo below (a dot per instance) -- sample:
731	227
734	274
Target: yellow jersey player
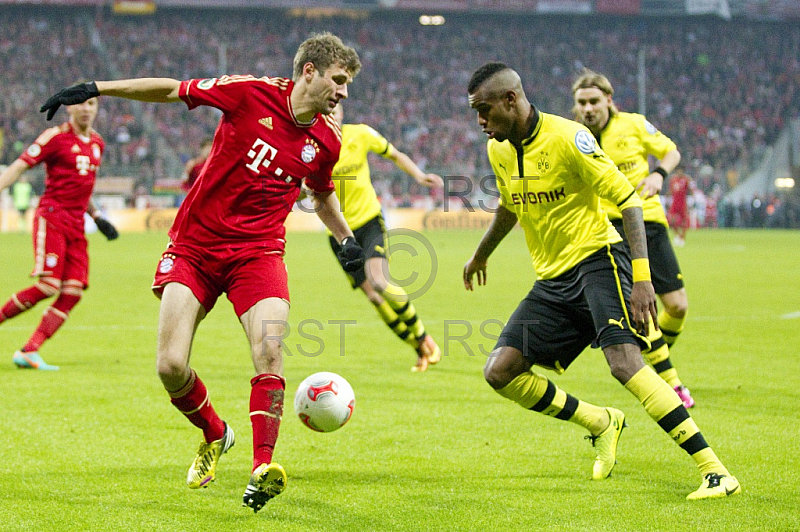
362	211
628	139
551	175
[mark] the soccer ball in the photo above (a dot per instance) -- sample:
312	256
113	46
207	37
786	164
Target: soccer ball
324	401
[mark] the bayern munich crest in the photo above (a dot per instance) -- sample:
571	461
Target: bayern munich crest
308	153
166	265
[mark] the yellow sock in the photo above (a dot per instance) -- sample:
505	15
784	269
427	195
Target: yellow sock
671	327
398	326
399	302
665	407
536	392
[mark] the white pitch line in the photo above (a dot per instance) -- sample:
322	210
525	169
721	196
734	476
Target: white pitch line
791	316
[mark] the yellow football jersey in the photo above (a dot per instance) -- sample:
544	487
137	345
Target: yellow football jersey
351	174
628	138
557	199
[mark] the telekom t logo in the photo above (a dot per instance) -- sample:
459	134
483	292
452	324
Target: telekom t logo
262	155
83	163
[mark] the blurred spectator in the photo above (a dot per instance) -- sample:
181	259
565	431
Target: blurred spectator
721	92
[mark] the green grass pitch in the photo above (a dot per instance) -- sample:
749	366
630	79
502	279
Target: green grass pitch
97	446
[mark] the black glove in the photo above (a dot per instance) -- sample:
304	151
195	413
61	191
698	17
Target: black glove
105	227
351	256
70	96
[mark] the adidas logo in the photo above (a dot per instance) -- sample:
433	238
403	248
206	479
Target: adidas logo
266	122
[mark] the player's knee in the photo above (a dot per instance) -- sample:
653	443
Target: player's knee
494	372
624	361
374	297
49	286
169	368
677	307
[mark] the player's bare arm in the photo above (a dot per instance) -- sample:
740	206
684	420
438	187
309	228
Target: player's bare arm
327	207
502	224
406	164
654	183
643	296
159	90
12	173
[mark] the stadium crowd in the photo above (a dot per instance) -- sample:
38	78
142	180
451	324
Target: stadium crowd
723	96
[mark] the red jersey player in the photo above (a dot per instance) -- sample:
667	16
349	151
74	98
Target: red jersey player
679	185
71	153
228	236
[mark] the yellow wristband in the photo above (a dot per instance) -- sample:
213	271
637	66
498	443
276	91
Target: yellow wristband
641	270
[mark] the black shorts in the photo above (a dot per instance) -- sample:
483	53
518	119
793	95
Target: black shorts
664	269
372	237
587	305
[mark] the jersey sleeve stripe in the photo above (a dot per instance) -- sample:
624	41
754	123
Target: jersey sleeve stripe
331	123
187	95
47	135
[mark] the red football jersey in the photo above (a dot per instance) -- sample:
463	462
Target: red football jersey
71	163
679	189
259	158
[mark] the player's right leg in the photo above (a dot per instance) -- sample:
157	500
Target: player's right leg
264	324
393	303
180	314
45	287
510	375
668	284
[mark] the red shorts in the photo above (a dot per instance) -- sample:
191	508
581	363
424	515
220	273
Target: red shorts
679	218
60	248
246	275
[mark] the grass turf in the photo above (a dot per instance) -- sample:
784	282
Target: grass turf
97	446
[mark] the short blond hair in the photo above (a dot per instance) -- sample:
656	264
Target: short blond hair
324	50
589	79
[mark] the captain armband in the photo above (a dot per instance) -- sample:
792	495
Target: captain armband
641	270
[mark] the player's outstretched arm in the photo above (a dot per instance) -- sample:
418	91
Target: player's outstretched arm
12	173
157	90
654	183
405	163
502	223
643	296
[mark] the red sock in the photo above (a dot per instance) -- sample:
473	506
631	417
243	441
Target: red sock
266	409
21	301
193	402
54	317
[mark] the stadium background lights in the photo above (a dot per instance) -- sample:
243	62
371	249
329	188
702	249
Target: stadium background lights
784	182
431	20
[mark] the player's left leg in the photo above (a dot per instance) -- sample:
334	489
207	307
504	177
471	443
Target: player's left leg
27	298
607	293
264	324
396	299
56	314
673	315
668	284
665	407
